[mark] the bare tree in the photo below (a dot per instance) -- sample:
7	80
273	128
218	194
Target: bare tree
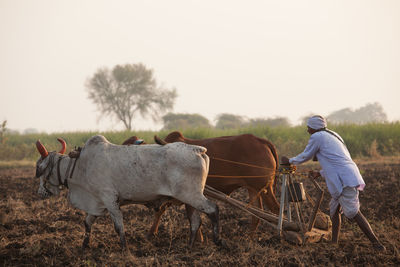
127	90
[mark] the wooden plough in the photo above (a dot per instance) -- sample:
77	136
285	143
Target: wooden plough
295	231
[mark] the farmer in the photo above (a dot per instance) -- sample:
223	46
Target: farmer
341	174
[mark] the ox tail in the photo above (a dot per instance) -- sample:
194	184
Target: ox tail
273	150
275	154
159	141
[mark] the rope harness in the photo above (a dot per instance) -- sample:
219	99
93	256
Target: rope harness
60	183
73	155
240	176
283	169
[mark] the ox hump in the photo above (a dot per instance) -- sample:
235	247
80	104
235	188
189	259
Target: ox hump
97	139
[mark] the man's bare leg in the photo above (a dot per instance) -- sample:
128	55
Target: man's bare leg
336	224
366	228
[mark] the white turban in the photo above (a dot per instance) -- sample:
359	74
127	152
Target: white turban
317	122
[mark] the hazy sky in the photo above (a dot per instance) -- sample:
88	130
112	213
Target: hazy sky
249	58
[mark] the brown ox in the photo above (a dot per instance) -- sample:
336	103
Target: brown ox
236	161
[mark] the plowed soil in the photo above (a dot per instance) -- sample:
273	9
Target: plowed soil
37	232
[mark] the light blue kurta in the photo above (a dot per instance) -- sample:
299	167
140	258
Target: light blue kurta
338	169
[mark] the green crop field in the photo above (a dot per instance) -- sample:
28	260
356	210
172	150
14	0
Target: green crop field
370	140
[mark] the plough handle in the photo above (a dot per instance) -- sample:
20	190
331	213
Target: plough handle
317	205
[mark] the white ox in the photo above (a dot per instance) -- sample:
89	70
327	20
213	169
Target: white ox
107	176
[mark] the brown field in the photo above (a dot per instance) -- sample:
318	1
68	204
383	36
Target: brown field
36	232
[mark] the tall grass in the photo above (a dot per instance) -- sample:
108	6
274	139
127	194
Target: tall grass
361	140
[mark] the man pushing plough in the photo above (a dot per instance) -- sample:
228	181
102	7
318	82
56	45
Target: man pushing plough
342	176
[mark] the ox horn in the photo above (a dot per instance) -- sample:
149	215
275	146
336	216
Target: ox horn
42	150
64	145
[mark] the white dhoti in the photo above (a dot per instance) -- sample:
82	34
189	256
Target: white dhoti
348	201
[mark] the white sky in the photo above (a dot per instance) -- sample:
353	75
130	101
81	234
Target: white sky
249	58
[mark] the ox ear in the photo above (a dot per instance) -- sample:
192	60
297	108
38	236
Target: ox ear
159	141
63	144
42	150
130	141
